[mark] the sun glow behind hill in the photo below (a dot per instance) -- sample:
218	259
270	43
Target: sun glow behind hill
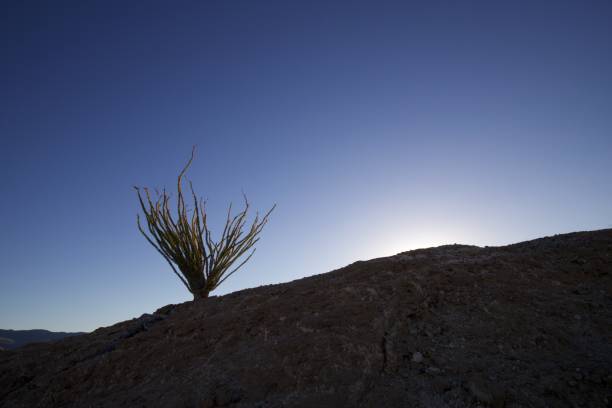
395	236
424	239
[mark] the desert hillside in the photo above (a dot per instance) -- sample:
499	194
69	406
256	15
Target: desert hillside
528	324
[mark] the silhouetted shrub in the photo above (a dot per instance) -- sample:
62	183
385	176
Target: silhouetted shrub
199	261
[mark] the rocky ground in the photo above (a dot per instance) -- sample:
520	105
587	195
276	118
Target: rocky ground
525	325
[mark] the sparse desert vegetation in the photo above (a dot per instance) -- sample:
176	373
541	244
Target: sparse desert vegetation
185	241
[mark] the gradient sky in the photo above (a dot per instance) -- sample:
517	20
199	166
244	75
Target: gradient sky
377	127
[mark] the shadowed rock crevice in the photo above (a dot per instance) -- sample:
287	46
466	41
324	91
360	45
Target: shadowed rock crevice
454	326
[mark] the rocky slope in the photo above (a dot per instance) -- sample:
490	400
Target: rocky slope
11	339
455	326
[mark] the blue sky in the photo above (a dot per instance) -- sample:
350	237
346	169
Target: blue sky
377	127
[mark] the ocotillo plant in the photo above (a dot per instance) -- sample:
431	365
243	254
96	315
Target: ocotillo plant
199	261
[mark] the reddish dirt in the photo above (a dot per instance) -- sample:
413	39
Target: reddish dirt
525	325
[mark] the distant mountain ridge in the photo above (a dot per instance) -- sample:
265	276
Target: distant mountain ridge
11	339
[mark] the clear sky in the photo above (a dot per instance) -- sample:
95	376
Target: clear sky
377	127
